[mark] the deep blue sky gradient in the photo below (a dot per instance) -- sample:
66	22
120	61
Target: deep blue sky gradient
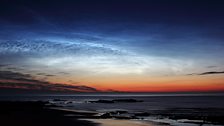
85	37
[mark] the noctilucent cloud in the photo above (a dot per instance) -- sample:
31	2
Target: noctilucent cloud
127	45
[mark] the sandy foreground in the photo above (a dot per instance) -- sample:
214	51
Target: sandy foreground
115	122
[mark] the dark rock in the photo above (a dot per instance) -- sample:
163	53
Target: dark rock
102	101
126	100
118	112
59	100
106	115
68	102
142	114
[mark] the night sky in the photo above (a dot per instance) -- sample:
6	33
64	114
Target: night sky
112	45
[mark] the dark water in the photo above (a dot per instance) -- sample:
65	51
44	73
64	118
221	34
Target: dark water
177	104
151	102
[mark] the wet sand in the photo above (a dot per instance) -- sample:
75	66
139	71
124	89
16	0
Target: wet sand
116	122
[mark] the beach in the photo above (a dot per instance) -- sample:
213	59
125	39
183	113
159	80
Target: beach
112	110
35	114
38	113
115	122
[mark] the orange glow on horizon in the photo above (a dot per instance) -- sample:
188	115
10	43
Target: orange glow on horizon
155	84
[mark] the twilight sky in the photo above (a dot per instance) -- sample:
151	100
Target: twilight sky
112	45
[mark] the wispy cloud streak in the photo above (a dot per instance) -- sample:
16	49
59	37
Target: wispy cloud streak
208	73
9	79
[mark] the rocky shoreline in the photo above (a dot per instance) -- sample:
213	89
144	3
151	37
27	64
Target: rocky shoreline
209	116
29	112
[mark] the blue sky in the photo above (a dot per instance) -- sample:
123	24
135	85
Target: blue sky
89	39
